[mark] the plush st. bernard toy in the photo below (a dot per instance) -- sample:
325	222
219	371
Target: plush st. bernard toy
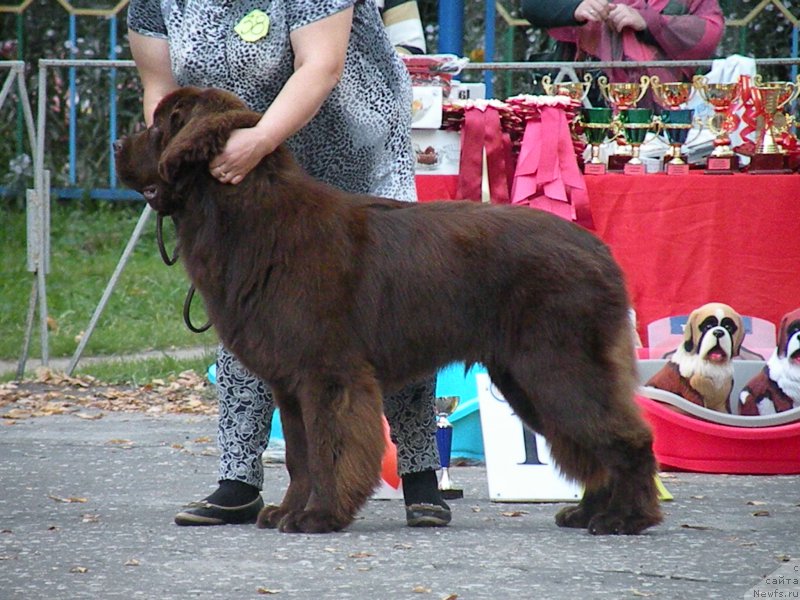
701	370
777	387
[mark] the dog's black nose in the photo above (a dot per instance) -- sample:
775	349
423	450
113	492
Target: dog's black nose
118	145
718	333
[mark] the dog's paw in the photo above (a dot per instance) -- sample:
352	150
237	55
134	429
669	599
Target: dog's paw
310	521
618	524
573	516
269	517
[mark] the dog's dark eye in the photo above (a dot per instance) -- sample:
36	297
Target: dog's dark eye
729	325
708	323
793	328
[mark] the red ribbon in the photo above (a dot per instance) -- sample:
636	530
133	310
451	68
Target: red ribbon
753	106
482	130
547	176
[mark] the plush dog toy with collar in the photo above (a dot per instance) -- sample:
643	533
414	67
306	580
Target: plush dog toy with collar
701	369
777	387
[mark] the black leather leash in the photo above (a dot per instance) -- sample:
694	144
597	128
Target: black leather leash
169	261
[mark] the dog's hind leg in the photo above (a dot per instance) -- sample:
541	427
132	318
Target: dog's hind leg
345	444
584	408
296	496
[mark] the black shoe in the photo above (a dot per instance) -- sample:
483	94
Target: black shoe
205	513
427	515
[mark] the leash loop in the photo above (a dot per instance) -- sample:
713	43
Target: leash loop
169	261
187	305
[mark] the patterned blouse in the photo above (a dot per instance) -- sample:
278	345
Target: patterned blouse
359	140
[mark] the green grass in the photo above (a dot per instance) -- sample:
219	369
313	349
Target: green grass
87	240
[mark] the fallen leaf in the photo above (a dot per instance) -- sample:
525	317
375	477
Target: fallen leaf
698	527
450	597
403	546
16	413
79	570
761	513
755	503
88	518
421	589
69	500
642	594
267	591
203	440
89	416
131	562
360	555
514	513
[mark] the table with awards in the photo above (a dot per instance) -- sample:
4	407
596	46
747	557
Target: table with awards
684	235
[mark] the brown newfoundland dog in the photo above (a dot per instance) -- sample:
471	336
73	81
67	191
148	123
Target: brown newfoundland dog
333	298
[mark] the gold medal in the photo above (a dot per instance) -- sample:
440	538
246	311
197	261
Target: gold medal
253	26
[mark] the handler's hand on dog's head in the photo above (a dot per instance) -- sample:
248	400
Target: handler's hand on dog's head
243	151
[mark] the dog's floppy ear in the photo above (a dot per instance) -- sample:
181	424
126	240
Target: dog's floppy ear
787	322
688	332
200	138
738	336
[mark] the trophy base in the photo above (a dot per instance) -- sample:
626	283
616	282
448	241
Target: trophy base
722	165
672	169
617	162
763	164
452	493
634	169
594	169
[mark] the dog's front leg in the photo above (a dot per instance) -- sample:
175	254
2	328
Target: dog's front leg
294	434
345	444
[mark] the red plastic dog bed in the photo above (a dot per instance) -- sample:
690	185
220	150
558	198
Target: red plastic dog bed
685	442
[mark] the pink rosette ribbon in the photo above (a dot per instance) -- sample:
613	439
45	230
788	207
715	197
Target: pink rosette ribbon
547	176
482	129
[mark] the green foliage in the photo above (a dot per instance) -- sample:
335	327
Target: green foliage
88	238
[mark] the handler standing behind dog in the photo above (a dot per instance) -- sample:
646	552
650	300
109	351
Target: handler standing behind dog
330	85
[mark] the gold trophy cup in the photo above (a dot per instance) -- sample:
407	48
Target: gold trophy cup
769	99
676	122
596	123
622	96
721	97
577	90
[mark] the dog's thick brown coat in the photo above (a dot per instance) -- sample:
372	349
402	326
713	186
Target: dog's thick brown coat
332	297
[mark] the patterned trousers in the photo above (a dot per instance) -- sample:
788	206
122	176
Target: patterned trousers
245	419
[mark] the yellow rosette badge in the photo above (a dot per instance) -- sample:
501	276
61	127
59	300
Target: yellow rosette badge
253	26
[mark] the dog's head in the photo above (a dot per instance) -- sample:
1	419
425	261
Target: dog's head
789	337
190	127
714	332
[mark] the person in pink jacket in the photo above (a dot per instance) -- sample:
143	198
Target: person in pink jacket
631	30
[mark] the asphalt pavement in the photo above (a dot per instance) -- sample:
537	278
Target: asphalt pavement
86	509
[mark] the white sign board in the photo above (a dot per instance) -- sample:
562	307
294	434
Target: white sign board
518	463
